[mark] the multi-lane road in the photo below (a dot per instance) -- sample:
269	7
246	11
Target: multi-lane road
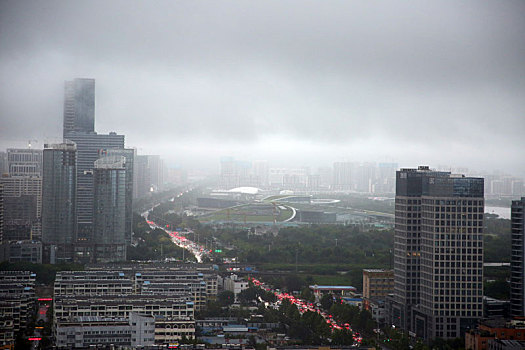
305	306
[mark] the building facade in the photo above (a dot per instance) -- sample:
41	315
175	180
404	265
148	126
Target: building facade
438	253
79	106
517	277
109	209
59	200
24	161
377	283
88	148
129	154
99	332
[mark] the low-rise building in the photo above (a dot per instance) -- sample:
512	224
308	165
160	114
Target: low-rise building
167	311
342	291
91	331
377	283
498	344
21	251
78	283
478	339
234	284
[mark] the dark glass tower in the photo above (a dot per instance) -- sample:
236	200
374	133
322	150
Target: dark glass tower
59	184
110	209
517	262
88	148
129	155
79	106
438	253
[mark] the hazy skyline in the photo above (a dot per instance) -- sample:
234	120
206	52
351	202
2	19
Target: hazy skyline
296	82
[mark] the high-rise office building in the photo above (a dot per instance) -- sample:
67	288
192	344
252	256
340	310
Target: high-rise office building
59	183
88	147
517	262
79	106
438	253
142	183
1	213
110	209
149	174
343	176
23	192
24	161
3	163
129	154
262	172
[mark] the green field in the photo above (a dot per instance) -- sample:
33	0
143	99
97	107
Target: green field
248	213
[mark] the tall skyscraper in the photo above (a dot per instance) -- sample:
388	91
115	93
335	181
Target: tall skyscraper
261	172
79	106
59	200
88	147
23	192
344	173
517	262
142	183
438	253
129	155
1	213
110	209
3	163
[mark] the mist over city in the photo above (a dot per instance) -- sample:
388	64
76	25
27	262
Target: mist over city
262	175
433	83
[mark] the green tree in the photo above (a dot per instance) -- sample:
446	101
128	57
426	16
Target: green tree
226	298
327	301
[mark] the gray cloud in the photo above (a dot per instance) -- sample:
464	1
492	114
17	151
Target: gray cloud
315	81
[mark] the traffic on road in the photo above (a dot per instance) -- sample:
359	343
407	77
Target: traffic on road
305	306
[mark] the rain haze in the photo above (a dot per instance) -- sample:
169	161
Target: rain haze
293	82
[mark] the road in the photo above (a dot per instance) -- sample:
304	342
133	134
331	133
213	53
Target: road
304	306
180	239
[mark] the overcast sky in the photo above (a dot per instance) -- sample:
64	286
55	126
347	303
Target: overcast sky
294	82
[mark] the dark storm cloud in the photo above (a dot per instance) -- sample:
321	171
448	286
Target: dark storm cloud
427	81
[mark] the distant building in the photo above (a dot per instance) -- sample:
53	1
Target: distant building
517	263
79	106
316	217
262	173
59	201
109	209
3	164
343	175
1	213
438	253
320	290
377	283
149	175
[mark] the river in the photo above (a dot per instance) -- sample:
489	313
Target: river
503	213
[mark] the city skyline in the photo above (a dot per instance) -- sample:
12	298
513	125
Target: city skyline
422	83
